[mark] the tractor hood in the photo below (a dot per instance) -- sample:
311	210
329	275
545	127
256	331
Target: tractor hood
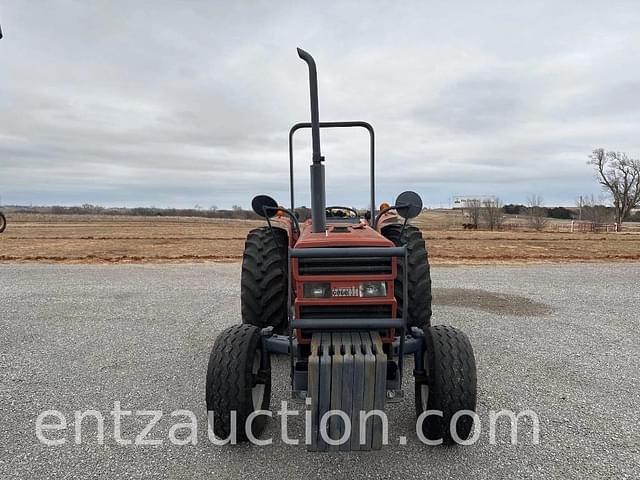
342	235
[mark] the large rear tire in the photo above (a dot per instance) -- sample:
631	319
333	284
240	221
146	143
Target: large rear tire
235	382
419	275
263	285
450	385
3	222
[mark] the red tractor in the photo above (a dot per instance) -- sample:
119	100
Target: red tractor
345	296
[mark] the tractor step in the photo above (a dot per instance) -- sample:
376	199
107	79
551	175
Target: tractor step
347	373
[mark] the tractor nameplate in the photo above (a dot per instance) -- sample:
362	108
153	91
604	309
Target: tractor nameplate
345	292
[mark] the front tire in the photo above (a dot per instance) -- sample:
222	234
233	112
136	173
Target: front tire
419	275
236	383
450	385
263	285
3	222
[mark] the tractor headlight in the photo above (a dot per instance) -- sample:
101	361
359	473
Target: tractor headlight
373	289
317	290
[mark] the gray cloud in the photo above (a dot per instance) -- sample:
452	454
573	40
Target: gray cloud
140	103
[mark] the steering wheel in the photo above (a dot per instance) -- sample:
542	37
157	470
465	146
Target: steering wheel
344	212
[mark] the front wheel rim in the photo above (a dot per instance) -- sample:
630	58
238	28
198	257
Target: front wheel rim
424	396
258	389
424	386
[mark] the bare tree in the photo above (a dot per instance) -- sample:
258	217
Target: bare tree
213	208
492	213
580	204
536	213
236	208
596	211
620	176
473	209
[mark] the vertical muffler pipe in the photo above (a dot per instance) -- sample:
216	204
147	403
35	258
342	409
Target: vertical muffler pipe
318	200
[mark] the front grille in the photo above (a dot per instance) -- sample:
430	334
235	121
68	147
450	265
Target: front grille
345	311
345	266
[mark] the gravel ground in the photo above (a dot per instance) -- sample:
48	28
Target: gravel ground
561	340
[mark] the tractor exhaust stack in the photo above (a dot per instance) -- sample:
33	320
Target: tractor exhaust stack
318	196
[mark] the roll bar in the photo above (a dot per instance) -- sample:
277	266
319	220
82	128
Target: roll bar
350	124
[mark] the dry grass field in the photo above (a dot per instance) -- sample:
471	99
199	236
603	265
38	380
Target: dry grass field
127	239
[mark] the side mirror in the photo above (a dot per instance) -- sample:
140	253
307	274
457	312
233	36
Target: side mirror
264	206
408	204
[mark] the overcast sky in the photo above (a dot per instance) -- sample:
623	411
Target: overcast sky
184	103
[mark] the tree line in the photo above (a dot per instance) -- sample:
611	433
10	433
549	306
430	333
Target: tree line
616	172
236	212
